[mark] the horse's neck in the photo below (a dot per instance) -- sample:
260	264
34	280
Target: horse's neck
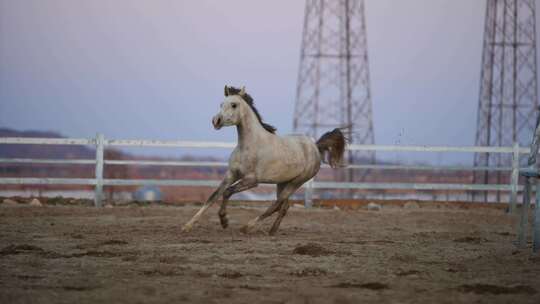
249	131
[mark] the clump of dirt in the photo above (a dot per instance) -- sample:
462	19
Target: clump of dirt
407	273
79	288
18	249
470	239
231	275
364	242
404	258
370	285
173	259
494	289
26	277
201	274
193	240
104	243
99	254
114	242
129	258
312	249
309	272
249	287
161	271
29	249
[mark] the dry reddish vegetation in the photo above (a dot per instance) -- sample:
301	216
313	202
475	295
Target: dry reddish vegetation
132	254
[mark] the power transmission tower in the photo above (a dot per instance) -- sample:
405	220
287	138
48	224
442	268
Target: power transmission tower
333	88
508	103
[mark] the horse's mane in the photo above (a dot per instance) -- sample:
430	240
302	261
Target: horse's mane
249	100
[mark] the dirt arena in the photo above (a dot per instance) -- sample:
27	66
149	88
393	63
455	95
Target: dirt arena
136	254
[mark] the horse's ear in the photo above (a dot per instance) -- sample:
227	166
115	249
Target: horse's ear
226	91
242	91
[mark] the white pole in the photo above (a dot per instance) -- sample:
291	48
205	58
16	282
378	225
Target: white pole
514	179
308	194
98	195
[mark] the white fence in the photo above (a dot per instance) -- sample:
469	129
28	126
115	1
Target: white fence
100	143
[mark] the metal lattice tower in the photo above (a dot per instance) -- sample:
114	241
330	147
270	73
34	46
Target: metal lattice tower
333	88
508	103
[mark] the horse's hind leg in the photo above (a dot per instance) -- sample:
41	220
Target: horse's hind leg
284	190
273	208
282	212
242	185
288	191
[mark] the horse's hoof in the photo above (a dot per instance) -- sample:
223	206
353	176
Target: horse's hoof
245	229
224	222
186	229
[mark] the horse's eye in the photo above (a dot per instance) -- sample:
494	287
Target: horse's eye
233	106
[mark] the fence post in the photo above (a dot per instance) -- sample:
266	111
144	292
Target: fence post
514	178
308	194
98	195
522	229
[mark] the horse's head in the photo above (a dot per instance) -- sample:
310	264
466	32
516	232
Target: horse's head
235	107
232	110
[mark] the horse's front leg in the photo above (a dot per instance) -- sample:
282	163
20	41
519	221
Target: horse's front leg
244	184
227	181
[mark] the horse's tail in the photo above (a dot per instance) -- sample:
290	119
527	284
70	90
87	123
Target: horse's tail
332	146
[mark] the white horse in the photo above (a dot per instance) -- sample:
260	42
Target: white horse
264	157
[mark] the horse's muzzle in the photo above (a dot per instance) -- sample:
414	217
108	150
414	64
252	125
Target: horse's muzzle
217	122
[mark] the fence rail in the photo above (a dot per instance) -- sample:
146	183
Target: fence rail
100	143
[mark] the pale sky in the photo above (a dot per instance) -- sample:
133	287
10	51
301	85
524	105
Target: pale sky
156	69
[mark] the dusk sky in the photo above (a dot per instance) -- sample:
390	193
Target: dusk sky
156	69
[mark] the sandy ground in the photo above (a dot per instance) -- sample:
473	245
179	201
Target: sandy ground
134	254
